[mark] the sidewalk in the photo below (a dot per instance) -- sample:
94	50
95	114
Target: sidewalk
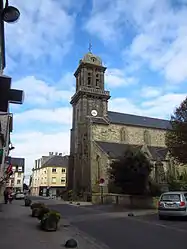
19	230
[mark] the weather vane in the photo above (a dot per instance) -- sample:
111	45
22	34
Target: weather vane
90	47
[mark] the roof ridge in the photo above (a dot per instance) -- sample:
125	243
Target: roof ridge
135	115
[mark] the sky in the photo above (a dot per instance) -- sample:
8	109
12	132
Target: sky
142	43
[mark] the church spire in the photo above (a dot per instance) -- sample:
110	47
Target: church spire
90	47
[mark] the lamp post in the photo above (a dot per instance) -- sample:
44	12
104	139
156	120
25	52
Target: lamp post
9	14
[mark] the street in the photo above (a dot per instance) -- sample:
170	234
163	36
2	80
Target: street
126	232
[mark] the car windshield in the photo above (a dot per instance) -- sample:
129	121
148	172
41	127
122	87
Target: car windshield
170	197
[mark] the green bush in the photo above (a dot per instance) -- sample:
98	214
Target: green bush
37	205
52	213
42	212
50	220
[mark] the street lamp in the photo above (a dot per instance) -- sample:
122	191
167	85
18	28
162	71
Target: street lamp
9	14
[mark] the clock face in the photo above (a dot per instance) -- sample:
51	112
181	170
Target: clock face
94	113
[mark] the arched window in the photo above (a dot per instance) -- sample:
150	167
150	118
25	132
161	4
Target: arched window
123	135
97	80
98	167
89	82
147	138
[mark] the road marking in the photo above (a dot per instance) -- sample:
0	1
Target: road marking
160	225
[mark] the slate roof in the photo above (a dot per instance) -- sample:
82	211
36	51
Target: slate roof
99	120
57	161
129	119
116	150
158	153
16	161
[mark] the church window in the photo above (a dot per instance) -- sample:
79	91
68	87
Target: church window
123	135
147	137
98	167
97	79
89	81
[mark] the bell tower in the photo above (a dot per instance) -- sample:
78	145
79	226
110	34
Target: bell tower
90	101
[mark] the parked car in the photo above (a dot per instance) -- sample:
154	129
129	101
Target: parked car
172	204
19	196
13	195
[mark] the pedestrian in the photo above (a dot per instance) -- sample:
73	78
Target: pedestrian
6	196
10	197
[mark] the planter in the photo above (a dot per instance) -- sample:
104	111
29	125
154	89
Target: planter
50	221
42	212
35	212
37	205
27	202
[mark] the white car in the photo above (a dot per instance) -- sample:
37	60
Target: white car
19	196
172	204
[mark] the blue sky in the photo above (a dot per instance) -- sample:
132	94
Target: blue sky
142	43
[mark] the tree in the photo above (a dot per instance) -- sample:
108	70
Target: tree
176	137
131	172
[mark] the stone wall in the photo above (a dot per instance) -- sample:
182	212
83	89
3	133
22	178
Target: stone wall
99	164
126	201
134	135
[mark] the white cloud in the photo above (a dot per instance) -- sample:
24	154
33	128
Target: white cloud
33	145
115	77
161	33
159	107
38	92
57	116
150	92
44	28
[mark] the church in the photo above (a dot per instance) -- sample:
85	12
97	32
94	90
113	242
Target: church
99	135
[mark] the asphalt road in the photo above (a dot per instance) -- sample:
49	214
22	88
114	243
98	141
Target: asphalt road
130	232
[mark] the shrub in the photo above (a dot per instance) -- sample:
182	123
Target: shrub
42	212
37	205
50	220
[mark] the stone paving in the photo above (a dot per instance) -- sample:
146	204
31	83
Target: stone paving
19	230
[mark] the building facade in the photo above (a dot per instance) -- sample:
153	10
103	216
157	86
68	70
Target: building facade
99	135
6	126
17	178
49	177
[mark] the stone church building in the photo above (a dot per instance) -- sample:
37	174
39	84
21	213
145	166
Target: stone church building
99	135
